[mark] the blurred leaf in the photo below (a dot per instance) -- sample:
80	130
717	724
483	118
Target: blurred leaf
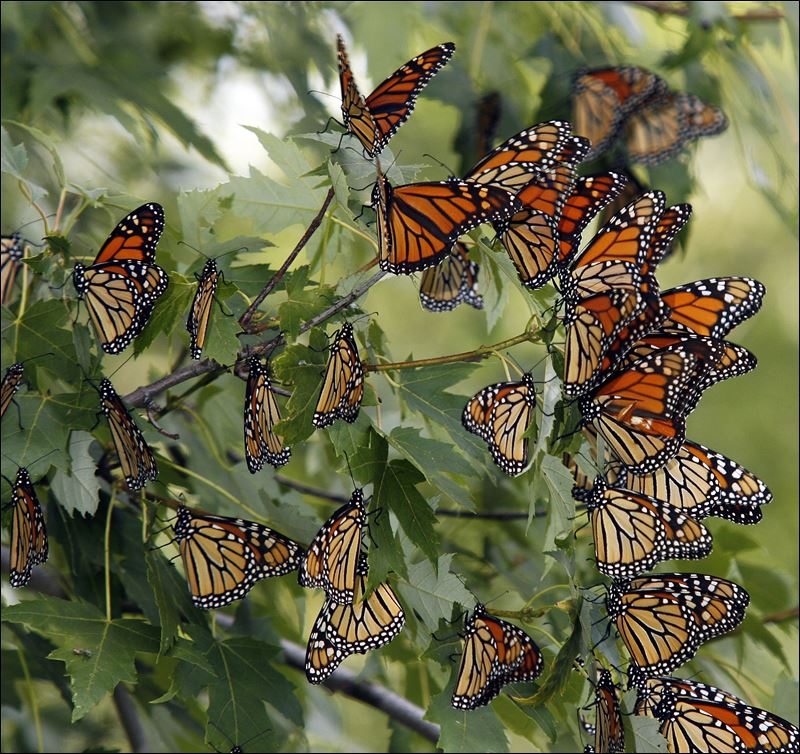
648	738
113	645
79	489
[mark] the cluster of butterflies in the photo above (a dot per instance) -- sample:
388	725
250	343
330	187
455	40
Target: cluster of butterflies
636	361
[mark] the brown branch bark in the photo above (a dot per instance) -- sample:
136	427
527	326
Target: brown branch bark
244	320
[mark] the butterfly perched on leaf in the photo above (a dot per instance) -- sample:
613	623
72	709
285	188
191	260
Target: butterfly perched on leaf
121	286
29	545
224	557
371	621
333	558
452	282
419	223
664	618
261	414
200	311
343	384
374	120
11	253
501	414
495	653
608	730
633	532
135	457
700	719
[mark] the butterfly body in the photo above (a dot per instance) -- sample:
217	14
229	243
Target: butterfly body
495	653
29	544
501	414
374	120
608	730
200	312
261	414
343	385
224	557
136	459
122	285
333	558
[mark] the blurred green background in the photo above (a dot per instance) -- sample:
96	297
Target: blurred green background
147	100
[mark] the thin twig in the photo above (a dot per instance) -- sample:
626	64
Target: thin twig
206	366
670	9
307	489
783	615
151	405
244	320
485	515
476	354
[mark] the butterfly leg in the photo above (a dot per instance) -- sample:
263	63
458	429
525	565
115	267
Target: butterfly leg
19	414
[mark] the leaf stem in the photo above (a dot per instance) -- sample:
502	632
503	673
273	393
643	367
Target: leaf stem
37	720
107	552
474	355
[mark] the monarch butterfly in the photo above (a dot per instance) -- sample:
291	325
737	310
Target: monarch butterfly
712	307
602	98
523	157
121	286
372	621
531	236
634	532
200	312
452	282
419	223
343	386
11	253
375	120
135	457
590	194
652	311
500	414
495	653
29	546
702	719
224	557
664	618
260	416
702	482
602	289
733	360
11	382
332	560
608	730
661	127
641	410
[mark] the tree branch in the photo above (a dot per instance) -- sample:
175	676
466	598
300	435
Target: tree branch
141	395
478	353
670	9
45	580
244	320
129	717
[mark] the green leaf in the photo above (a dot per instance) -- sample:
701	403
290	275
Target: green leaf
647	737
222	343
79	488
478	730
13	157
302	303
395	491
301	367
436	460
75	624
559	483
434	592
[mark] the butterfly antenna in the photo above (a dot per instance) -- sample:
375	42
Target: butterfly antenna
38	356
439	162
497	597
121	365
